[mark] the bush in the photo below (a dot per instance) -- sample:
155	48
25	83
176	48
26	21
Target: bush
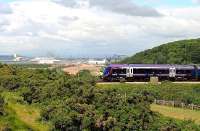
75	103
2	103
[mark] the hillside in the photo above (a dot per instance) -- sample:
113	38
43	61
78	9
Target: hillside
178	52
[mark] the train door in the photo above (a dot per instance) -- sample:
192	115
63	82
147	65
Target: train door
172	72
131	72
127	72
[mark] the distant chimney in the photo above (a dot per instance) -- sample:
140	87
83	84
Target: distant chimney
15	55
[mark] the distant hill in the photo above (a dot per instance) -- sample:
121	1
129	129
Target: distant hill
178	52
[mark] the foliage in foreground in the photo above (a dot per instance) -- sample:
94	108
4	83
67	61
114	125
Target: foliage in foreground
1	106
74	102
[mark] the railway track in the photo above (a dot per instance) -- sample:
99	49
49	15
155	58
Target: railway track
179	82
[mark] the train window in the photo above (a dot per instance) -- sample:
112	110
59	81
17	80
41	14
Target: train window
139	71
151	71
162	71
107	71
183	71
119	71
189	71
123	71
127	70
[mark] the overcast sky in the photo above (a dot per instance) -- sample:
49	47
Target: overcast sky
81	28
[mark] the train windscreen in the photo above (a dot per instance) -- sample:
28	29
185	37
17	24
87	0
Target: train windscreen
119	71
106	71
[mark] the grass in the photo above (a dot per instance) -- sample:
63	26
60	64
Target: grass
20	115
11	121
165	91
177	113
127	86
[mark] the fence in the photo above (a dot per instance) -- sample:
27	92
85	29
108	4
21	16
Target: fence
177	104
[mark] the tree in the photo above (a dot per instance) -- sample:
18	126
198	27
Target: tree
178	52
1	106
195	55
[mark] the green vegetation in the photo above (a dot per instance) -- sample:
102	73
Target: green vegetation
1	106
20	116
177	113
179	52
52	100
186	93
33	66
27	114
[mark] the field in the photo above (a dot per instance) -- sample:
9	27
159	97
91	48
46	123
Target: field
177	113
186	92
74	69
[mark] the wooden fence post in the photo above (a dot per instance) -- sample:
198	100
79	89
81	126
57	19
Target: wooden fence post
182	105
176	104
192	106
173	103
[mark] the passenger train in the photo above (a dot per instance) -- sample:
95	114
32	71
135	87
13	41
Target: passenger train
143	72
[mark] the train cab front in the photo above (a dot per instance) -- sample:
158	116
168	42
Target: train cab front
107	74
114	73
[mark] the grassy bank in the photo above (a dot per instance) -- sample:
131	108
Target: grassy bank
177	113
21	116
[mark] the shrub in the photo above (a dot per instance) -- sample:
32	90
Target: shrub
2	103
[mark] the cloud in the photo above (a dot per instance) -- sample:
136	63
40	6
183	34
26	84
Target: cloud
3	23
68	3
39	27
5	9
126	7
196	1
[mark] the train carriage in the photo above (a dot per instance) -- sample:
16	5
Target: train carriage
134	72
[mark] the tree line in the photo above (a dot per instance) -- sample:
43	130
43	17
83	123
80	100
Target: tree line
178	52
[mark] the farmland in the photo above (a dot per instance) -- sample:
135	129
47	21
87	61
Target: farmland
75	68
177	113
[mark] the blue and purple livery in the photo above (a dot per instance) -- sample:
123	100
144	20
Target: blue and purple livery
131	72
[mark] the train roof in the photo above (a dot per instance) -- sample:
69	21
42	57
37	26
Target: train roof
118	65
184	66
150	65
158	66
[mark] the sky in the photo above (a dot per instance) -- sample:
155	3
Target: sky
94	28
